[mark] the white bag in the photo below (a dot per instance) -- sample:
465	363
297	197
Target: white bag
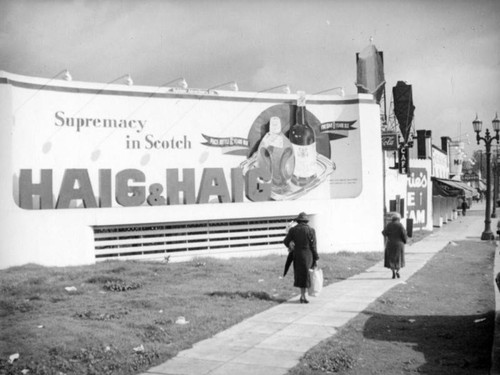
316	276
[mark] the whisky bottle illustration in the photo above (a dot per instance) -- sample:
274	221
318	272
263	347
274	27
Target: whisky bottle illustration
304	145
275	154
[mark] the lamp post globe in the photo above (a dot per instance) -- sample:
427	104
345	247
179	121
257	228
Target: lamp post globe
496	123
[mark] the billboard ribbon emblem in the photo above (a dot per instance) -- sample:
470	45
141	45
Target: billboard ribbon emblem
231	145
337	129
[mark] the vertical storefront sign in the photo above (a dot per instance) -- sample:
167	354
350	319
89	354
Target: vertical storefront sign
457	158
389	141
403	160
418	182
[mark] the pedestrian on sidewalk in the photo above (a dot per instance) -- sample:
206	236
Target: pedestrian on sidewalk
395	240
305	254
464	206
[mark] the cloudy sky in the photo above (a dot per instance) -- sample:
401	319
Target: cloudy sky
449	50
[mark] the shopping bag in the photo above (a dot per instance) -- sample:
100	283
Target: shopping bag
316	275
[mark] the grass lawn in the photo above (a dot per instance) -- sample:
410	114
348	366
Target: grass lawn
121	319
440	322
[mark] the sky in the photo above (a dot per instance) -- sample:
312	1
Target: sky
448	50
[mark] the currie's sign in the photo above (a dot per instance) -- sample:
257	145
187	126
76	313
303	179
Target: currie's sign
418	182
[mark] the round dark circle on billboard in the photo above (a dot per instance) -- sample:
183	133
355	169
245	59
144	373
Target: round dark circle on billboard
286	114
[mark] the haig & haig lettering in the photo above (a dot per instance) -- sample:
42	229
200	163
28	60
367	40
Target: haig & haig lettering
131	189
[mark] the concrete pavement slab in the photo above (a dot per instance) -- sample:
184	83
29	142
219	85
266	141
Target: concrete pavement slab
307	330
215	350
185	366
246	369
247	338
269	357
265	327
278	317
292	308
333	309
254	326
283	342
324	320
349	305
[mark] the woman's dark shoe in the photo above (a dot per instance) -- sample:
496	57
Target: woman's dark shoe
303	300
393	274
397	275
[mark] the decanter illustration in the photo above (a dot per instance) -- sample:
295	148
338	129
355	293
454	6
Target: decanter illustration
275	154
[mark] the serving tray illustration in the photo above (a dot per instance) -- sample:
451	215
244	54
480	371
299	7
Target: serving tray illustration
324	168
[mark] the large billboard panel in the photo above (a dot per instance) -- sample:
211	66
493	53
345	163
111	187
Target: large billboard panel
91	147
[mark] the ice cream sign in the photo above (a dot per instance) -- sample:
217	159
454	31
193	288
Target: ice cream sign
417	196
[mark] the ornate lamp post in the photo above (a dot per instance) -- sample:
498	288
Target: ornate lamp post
496	166
487	139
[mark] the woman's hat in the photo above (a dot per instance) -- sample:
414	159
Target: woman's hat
395	216
302	217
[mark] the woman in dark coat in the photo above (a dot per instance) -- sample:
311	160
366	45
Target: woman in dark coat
396	237
305	255
464	206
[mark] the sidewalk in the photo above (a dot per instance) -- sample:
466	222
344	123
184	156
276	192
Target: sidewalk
272	342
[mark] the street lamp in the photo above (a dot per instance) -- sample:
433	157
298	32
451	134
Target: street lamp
487	139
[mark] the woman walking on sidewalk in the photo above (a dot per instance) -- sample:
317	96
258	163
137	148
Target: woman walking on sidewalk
395	239
305	255
465	206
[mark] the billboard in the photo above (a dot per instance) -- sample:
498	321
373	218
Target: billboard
82	159
99	148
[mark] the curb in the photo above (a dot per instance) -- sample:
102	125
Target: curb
495	349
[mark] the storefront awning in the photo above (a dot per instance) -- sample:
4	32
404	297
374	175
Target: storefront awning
469	190
452	188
